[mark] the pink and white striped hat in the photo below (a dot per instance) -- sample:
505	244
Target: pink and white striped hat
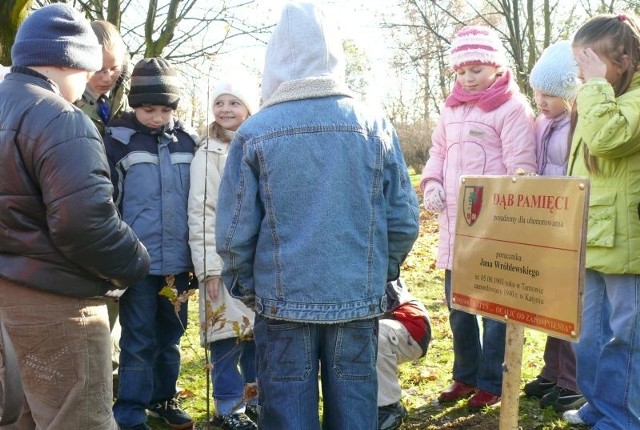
476	45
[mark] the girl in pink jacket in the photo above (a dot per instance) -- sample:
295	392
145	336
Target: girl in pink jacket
486	128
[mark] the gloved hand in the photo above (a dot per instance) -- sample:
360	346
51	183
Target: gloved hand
433	197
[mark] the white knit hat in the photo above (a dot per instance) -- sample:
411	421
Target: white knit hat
476	45
3	71
556	71
243	91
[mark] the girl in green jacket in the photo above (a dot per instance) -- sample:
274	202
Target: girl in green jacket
606	149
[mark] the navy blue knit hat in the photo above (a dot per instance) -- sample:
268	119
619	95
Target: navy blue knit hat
57	35
154	82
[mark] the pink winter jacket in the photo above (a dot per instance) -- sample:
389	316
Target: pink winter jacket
469	141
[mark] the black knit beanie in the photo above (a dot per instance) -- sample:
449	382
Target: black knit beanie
154	82
57	35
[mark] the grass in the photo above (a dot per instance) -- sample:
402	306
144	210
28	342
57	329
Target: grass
421	381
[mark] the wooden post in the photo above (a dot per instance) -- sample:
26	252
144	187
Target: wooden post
511	371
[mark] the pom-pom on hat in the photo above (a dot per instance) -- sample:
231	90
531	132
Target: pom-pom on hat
556	71
57	35
244	92
154	82
476	45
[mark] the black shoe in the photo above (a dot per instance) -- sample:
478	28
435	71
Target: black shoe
390	417
253	412
142	426
562	399
233	422
171	413
539	387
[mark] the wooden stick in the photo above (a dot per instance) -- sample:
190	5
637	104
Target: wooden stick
511	371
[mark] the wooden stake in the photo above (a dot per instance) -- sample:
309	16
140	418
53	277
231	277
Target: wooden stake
511	371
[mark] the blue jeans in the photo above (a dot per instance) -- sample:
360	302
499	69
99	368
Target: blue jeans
608	354
234	365
476	362
149	348
290	355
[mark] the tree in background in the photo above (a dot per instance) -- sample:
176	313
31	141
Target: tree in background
12	13
423	32
182	31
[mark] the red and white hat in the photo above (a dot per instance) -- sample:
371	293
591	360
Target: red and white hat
476	45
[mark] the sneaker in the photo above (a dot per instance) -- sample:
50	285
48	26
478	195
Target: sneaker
171	413
562	399
239	421
142	426
253	412
390	417
539	387
572	417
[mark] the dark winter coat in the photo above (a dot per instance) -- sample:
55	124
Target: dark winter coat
59	229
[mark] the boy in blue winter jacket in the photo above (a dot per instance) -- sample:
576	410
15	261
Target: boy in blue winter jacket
150	152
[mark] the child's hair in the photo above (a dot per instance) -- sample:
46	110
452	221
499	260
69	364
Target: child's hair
216	131
613	36
108	36
111	41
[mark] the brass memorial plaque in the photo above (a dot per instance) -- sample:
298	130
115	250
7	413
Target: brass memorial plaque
520	249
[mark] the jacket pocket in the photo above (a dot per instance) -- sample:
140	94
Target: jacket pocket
602	219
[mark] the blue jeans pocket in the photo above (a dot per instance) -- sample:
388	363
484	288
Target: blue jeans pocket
289	350
355	351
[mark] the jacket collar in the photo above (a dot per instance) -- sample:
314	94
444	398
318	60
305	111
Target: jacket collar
307	88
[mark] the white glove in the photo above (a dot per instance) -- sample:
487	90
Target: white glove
433	197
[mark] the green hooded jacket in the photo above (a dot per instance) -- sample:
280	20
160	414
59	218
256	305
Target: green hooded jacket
610	128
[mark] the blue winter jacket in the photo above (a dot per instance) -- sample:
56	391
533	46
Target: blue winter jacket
150	174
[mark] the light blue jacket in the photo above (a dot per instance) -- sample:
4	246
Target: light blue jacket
315	211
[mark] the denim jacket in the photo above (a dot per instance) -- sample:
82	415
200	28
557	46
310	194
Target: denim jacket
316	211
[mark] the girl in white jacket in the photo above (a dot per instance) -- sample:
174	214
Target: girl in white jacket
226	323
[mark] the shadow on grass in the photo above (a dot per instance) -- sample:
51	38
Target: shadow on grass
458	416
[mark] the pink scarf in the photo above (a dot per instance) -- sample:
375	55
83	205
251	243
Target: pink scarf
492	98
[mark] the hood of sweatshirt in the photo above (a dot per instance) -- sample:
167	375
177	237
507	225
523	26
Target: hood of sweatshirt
303	45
